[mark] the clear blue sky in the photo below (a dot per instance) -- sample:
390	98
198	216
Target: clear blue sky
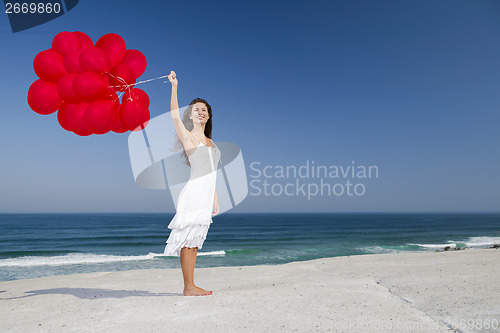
412	87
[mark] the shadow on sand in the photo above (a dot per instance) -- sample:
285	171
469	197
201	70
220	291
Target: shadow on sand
93	293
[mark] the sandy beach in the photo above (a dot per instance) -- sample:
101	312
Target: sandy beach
398	292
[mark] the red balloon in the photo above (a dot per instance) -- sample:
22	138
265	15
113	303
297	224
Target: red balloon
66	42
76	120
85	40
117	105
62	115
114	46
107	77
121	76
72	62
94	59
65	89
99	116
134	115
43	97
112	96
118	127
136	61
136	94
90	86
77	79
49	65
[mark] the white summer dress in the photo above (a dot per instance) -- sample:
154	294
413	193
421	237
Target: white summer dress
193	216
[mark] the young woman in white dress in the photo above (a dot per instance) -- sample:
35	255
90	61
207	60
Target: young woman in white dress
193	140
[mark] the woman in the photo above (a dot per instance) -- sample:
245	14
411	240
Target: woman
197	201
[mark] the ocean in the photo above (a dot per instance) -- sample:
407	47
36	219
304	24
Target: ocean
36	245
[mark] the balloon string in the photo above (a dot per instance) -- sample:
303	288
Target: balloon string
122	80
133	84
127	86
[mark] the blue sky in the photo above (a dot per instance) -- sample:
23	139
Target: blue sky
409	86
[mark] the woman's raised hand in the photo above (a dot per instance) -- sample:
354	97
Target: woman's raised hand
172	77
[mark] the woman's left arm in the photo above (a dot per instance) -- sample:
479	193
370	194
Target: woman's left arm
216	205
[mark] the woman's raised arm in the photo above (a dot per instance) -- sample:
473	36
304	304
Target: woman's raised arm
181	130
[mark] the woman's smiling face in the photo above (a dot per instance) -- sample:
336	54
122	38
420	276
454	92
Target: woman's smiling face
199	113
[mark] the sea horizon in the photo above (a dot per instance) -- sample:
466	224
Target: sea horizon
278	212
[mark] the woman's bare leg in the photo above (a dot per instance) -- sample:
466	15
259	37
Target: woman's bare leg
188	260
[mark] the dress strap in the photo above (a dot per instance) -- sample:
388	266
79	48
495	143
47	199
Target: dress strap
205	144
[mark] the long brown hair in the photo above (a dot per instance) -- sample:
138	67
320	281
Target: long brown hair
188	123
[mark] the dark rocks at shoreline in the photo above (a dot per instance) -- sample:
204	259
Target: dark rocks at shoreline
449	248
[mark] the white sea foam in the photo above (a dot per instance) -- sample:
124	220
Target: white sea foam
379	249
435	246
82	258
470	242
210	253
482	241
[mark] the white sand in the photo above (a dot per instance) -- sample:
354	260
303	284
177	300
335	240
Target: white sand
402	292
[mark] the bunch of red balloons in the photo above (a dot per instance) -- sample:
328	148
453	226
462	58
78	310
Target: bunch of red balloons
80	80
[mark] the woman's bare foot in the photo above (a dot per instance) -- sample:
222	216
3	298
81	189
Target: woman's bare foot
196	291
